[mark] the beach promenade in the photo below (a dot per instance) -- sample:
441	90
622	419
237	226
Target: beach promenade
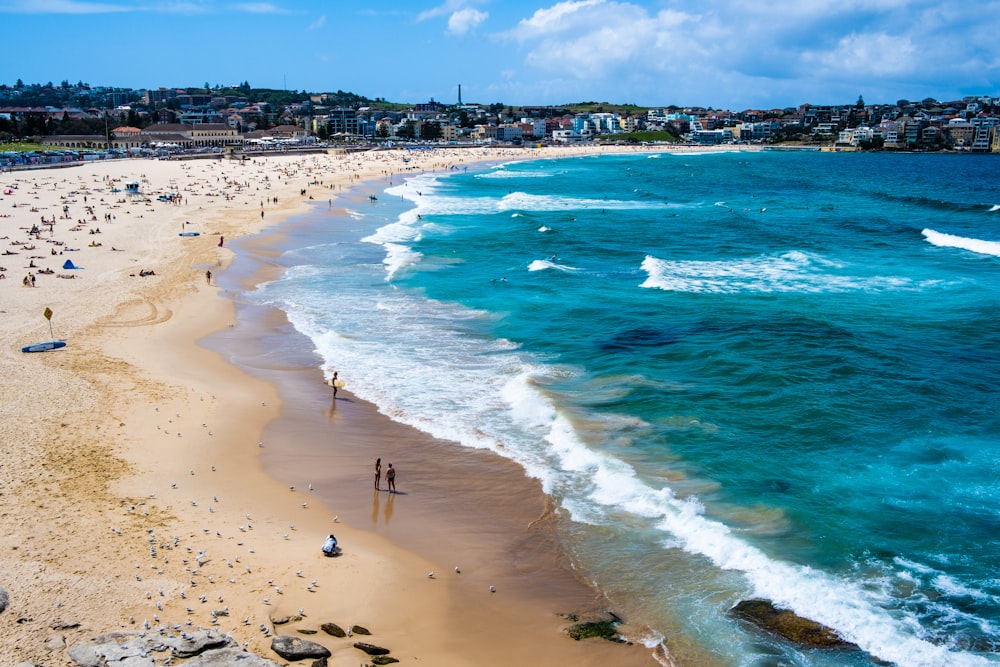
136	489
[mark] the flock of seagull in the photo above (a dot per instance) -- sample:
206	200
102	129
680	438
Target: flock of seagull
195	561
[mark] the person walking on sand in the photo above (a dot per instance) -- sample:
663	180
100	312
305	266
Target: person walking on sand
208	276
378	472
333	383
390	478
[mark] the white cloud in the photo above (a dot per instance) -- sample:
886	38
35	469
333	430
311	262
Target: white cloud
259	8
465	20
318	23
449	7
62	7
719	51
561	17
868	55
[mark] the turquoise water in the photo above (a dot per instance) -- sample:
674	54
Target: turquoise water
737	374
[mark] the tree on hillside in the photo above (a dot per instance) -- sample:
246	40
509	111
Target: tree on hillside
408	130
431	131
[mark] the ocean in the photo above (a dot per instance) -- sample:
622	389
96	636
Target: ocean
737	374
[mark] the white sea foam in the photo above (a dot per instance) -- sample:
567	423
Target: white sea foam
789	272
995	207
543	228
544	264
591	482
501	173
523	200
972	245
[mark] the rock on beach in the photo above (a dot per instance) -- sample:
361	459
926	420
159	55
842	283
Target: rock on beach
296	648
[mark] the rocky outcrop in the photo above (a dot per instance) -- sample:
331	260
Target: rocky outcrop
296	648
230	657
205	648
383	660
788	625
112	649
196	643
4	600
360	630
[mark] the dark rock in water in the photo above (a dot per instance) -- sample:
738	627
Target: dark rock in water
295	648
333	629
777	485
384	660
359	630
4	600
228	657
371	649
604	626
788	625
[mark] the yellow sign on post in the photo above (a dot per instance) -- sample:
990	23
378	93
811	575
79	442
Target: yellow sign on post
48	316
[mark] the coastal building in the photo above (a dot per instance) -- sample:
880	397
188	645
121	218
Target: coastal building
960	133
981	142
509	132
191	136
713	137
343	121
126	137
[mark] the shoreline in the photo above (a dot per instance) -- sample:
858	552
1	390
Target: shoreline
140	408
454	505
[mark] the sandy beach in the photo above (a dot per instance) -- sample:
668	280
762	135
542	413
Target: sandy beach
150	482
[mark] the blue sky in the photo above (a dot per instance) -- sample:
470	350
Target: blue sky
731	54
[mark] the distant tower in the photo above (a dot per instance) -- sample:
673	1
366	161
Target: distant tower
459	94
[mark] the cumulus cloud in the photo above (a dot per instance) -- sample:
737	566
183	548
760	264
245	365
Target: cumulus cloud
462	18
754	52
465	20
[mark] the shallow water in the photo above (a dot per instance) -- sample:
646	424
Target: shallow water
737	374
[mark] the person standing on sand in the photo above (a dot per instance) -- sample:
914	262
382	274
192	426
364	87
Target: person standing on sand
390	477
378	472
208	276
